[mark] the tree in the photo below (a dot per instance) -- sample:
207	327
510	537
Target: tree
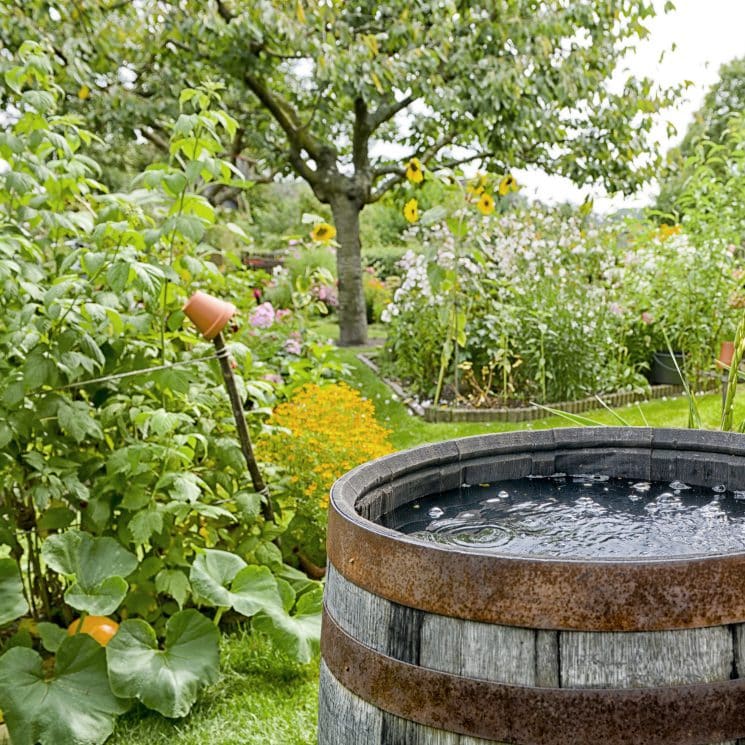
711	124
345	94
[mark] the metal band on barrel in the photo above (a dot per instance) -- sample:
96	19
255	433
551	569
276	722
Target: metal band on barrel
520	715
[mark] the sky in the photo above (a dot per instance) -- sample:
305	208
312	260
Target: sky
707	33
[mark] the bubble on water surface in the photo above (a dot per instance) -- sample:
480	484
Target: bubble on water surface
641	486
719	488
503	494
436	512
679	485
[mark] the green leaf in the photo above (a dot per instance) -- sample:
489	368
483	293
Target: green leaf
75	420
223	579
51	635
170	679
145	524
73	707
298	635
12	601
98	565
99	600
173	582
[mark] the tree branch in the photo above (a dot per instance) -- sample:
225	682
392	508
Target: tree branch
225	14
285	116
360	137
399	174
384	112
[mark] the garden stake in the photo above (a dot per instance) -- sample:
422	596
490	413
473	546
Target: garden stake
240	421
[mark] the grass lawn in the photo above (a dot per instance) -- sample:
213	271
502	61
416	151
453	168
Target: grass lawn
264	699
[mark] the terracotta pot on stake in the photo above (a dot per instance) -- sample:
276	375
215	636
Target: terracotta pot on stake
210	314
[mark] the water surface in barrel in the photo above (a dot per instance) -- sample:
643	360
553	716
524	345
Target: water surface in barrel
580	515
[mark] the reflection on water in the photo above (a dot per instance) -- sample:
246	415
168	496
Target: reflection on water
580	515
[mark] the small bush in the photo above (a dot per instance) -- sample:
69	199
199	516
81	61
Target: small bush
318	435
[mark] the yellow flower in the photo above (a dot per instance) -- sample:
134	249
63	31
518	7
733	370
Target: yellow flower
666	231
414	171
84	92
507	184
477	185
485	204
323	232
411	211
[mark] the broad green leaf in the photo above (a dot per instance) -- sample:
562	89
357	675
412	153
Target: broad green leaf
169	679
298	635
98	565
73	707
223	579
51	635
173	582
211	575
100	599
12	601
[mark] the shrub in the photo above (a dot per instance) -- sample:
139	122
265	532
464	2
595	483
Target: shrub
318	435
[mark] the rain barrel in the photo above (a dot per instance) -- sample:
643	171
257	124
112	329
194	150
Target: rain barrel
436	645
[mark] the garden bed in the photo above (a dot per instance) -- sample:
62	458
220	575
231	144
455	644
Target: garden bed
529	413
518	413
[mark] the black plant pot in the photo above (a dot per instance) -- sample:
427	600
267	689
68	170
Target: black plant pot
663	370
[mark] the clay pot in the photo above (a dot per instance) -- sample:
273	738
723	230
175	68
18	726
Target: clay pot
209	314
726	352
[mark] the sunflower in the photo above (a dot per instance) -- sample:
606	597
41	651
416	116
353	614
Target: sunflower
414	171
507	184
411	211
323	232
477	185
485	205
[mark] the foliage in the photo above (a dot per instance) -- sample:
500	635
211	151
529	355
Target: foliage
119	463
724	100
554	308
317	87
316	436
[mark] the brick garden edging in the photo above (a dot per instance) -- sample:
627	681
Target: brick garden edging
522	413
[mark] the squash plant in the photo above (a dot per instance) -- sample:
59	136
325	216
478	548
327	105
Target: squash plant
122	488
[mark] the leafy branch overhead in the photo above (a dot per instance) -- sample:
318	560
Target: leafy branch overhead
323	90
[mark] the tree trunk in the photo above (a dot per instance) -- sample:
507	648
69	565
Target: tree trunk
352	312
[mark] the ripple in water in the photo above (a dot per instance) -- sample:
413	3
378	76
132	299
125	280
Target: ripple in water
580	515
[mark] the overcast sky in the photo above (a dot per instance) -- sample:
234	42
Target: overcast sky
707	33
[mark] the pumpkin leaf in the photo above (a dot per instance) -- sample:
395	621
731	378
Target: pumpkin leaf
225	580
98	566
169	679
12	601
74	706
299	634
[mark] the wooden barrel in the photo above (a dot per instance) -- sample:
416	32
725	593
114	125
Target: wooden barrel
425	643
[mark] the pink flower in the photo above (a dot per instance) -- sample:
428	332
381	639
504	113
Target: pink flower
274	378
293	346
263	316
282	313
647	318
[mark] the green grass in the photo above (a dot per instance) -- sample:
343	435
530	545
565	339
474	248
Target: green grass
409	431
263	698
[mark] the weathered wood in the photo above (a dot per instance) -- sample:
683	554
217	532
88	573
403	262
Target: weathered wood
644	659
344	718
508	654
